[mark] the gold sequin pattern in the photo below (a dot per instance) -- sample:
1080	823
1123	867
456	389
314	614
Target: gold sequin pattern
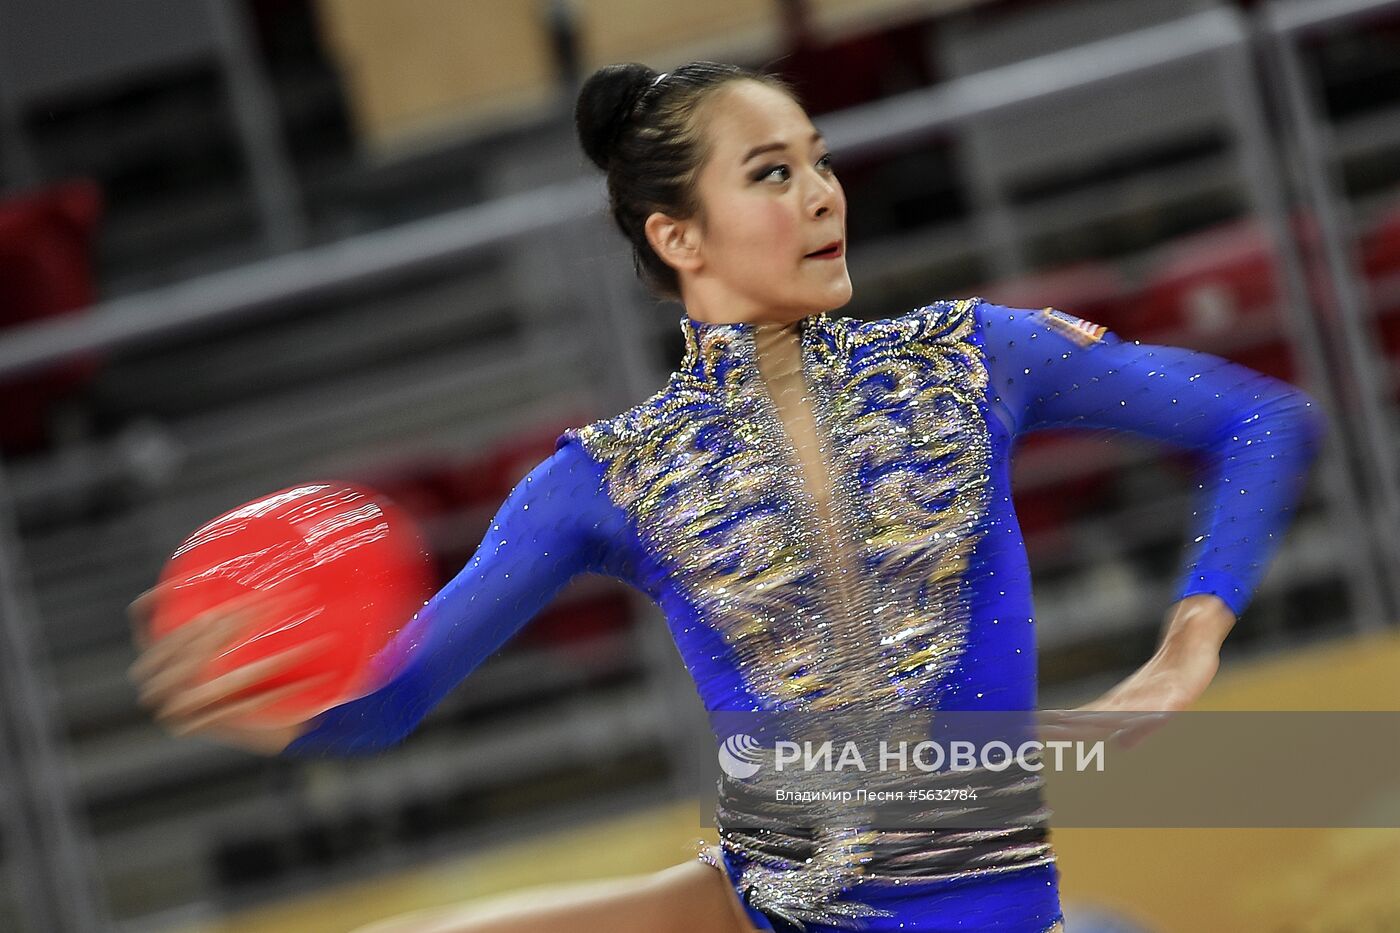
708	497
862	609
704	469
799	857
900	399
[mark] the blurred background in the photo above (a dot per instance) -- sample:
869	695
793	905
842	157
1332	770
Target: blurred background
248	243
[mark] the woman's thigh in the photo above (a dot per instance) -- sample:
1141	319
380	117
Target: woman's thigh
688	898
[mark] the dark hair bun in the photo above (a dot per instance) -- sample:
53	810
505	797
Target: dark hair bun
604	104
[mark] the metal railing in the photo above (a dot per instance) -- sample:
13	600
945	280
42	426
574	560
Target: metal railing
59	880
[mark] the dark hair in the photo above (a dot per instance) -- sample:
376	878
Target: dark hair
647	136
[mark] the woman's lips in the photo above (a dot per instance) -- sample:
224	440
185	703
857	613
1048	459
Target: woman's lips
832	253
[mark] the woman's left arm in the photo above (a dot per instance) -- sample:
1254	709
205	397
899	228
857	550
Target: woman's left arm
1258	436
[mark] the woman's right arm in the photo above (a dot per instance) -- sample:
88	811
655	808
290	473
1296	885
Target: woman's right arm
556	523
551	527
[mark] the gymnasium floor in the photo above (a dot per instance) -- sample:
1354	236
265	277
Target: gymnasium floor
1320	880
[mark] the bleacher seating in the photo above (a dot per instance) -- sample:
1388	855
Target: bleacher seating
446	389
46	272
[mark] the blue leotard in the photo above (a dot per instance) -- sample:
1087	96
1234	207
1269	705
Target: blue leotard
896	579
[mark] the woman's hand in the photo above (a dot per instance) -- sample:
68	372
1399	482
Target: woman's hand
1173	679
165	674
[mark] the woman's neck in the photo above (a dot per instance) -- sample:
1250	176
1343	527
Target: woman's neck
763	321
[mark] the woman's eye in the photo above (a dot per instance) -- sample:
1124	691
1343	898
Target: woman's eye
764	173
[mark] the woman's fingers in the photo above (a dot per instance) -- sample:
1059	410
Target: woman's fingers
144	603
1096	724
179	640
139	612
209	624
1079	723
239	679
215	720
167	672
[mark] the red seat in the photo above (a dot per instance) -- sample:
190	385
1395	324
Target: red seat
487	479
46	270
1380	246
454	499
1208	282
1380	260
1274	358
1213	282
1092	290
579	619
1058	503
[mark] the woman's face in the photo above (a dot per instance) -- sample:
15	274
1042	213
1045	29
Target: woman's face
763	211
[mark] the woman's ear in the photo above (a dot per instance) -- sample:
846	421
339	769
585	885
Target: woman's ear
677	242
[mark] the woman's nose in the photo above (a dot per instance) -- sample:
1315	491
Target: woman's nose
823	198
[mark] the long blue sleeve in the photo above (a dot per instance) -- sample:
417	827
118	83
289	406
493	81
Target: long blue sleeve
550	528
1259	435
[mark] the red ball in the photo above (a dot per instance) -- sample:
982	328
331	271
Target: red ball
355	564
